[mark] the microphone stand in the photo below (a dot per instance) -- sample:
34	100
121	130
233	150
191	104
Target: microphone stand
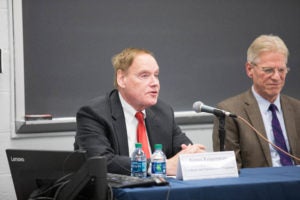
222	131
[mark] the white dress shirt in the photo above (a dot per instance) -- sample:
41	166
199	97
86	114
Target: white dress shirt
267	119
131	124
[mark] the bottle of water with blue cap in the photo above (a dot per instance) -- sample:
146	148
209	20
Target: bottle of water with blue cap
138	162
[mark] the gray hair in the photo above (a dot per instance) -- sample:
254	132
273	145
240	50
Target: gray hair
266	43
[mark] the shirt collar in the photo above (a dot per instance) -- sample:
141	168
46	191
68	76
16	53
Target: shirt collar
263	103
128	108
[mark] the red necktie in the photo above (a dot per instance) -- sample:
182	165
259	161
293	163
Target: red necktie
142	134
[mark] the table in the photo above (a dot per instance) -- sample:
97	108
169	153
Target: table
282	183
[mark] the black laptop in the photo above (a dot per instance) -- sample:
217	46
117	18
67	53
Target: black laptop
35	171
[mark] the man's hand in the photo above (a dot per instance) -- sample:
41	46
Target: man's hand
185	149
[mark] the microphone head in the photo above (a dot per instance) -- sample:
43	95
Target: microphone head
197	106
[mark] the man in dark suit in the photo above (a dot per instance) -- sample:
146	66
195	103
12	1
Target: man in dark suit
106	126
267	67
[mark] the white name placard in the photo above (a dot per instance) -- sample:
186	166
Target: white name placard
207	165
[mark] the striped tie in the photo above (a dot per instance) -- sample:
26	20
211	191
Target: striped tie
278	136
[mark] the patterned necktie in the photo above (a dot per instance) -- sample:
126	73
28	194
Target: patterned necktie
142	134
278	136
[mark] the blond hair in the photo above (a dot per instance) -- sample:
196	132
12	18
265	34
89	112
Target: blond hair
123	60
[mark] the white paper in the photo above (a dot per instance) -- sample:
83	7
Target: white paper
207	165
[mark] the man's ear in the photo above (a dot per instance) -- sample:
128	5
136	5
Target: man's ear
249	70
121	78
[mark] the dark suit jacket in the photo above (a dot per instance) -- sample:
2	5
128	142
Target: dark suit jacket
250	149
101	130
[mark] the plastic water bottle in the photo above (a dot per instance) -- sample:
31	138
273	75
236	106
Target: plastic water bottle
138	162
158	162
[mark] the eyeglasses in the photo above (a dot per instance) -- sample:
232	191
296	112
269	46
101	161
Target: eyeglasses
271	70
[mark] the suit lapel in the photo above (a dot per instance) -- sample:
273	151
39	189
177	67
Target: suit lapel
290	123
118	121
256	120
152	128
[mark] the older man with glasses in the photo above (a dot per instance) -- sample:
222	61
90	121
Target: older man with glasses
275	116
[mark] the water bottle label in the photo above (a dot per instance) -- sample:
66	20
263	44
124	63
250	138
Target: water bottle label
138	166
158	168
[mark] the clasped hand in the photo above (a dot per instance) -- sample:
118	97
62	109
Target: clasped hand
185	149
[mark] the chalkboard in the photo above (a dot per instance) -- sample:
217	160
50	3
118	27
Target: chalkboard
200	47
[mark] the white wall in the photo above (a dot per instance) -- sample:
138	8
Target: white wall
199	134
6	105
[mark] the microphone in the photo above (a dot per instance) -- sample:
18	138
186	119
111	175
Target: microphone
198	106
